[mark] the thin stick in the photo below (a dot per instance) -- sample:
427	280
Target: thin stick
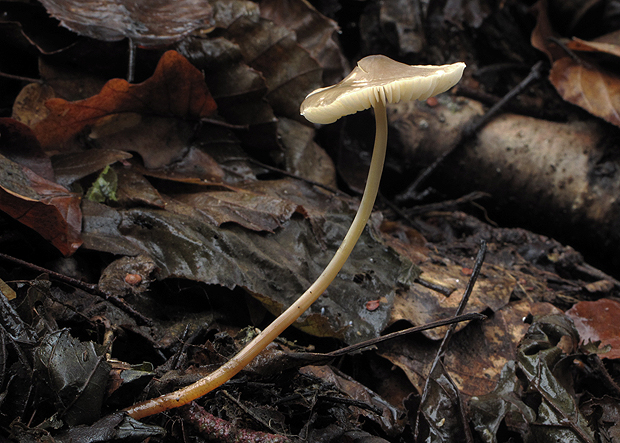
446	339
87	287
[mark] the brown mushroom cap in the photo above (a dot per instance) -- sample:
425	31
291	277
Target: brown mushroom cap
378	78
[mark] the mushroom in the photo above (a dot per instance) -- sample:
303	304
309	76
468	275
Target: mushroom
375	81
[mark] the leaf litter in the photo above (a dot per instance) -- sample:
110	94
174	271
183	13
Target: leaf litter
159	179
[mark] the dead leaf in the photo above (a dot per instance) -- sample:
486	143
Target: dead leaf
476	355
273	51
18	143
176	90
593	89
598	321
421	304
73	166
44	206
388	419
609	44
303	156
584	83
248	209
74	373
145	22
315	32
29	107
274	268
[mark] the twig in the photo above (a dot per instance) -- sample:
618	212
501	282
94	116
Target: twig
216	428
131	62
248	411
446	204
374	341
285	173
87	287
21	78
446	339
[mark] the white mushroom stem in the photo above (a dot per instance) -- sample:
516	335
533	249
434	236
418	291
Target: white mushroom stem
288	317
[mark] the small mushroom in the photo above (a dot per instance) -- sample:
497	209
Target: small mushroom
375	81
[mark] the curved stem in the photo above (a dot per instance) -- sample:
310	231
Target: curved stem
288	317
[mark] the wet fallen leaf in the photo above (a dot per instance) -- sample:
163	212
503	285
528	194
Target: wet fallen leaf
302	155
145	22
176	91
250	210
537	355
42	205
388	417
597	321
75	374
423	304
441	409
274	268
117	426
604	416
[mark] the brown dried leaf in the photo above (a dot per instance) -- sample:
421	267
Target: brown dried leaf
176	89
476	355
42	205
598	321
421	304
272	50
248	209
314	32
595	90
146	22
608	44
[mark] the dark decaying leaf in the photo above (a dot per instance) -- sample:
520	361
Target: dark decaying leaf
388	416
603	414
597	321
476	355
238	89
175	91
503	404
251	210
145	22
537	355
274	268
75	374
117	426
74	166
554	415
42	205
18	143
314	32
289	70
466	12
441	410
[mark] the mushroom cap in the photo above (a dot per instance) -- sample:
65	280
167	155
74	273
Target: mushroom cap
378	78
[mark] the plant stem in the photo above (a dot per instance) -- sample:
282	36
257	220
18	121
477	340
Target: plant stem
288	317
